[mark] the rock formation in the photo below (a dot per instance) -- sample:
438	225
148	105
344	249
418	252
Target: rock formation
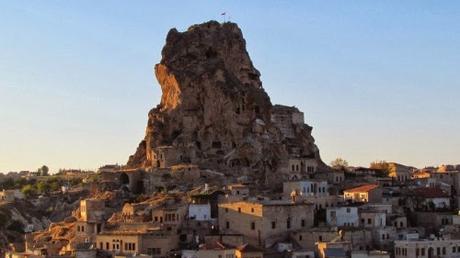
215	113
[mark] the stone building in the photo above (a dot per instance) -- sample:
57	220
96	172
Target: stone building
360	238
400	172
91	220
365	193
305	188
342	216
170	215
372	218
199	211
448	248
153	241
164	156
92	210
215	249
263	222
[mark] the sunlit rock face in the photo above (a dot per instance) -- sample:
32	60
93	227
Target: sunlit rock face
215	113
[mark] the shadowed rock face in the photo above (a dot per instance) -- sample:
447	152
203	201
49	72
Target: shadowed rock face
214	111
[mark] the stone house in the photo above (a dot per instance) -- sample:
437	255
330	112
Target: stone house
154	242
398	221
399	172
306	188
92	210
200	212
170	215
164	156
238	190
335	177
360	238
432	221
370	218
431	198
344	216
263	222
91	220
383	237
215	249
302	165
448	248
365	193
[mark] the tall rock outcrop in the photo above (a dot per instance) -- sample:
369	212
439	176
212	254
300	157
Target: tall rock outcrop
214	112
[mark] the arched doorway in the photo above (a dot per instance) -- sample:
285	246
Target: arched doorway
430	252
124	179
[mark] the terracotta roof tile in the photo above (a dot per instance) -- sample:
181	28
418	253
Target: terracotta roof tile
363	188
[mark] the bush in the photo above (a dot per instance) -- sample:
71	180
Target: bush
28	190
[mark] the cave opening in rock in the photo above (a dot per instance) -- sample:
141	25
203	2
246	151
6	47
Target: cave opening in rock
124	179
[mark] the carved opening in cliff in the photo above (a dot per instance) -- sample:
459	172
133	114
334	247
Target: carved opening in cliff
211	53
124	179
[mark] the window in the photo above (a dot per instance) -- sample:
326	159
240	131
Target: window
300	237
226	209
348	210
154	251
253	225
417	252
369	221
239	209
333	214
288	223
273	224
227	224
438	250
320	238
444	251
302	223
107	246
252	210
423	251
454	249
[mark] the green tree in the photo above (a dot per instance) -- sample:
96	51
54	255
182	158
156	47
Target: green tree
43	171
381	165
339	163
28	190
54	185
43	187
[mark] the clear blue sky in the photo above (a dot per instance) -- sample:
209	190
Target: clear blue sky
376	80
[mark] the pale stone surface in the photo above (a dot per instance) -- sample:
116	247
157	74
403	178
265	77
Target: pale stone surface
215	113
